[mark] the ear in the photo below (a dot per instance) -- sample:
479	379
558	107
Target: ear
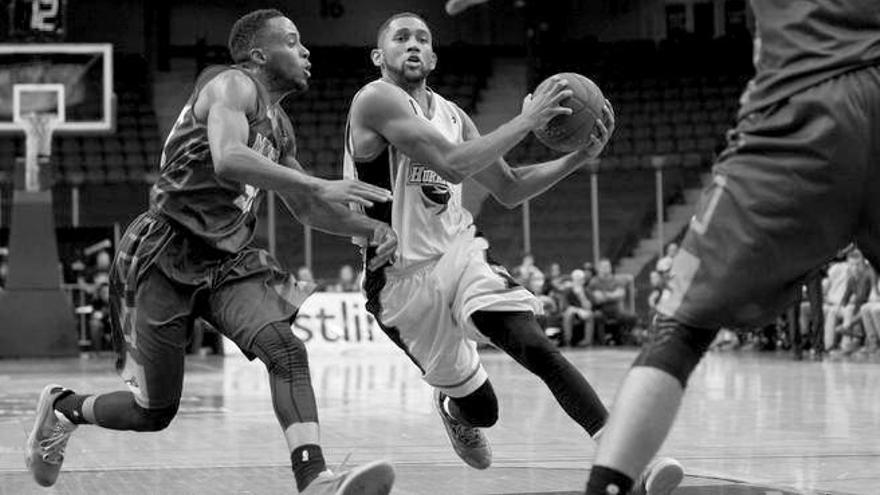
433	61
377	56
257	56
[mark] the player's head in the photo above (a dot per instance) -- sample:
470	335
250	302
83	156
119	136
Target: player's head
405	49
855	259
269	42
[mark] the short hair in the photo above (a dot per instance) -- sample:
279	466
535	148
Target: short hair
383	28
245	32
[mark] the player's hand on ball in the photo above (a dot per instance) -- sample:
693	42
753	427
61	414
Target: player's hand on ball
602	131
385	242
545	104
352	191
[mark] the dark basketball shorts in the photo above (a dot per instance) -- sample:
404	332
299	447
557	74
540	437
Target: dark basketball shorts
799	181
163	279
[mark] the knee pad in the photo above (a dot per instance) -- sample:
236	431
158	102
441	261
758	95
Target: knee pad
676	348
155	419
281	351
479	408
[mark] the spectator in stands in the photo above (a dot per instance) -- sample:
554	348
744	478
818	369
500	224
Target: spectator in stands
860	279
589	271
664	264
304	274
608	295
99	319
523	272
4	267
658	290
347	281
833	287
870	316
555	284
578	311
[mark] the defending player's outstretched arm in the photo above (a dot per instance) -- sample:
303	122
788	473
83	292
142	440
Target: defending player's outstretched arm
511	186
384	109
225	102
333	218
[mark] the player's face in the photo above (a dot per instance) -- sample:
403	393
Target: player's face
287	58
407	51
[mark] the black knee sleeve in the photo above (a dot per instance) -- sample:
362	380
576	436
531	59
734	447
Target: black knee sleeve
676	348
479	408
282	352
153	419
287	361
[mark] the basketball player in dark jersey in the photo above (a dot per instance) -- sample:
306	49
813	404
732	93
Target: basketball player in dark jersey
799	180
191	256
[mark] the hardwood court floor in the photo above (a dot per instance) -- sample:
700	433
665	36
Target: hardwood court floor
763	419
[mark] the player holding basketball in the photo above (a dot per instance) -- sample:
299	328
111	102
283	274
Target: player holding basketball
798	182
441	296
190	256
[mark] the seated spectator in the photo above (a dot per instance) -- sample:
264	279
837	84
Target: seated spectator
833	287
870	315
664	264
304	274
524	270
659	290
551	320
608	293
859	281
578	311
347	281
555	284
4	267
99	319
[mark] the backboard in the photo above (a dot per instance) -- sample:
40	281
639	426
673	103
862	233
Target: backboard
71	81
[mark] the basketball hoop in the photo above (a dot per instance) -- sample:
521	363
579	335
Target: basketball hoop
38	129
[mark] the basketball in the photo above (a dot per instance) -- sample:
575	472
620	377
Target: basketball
567	133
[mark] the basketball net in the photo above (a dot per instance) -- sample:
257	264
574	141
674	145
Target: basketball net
38	129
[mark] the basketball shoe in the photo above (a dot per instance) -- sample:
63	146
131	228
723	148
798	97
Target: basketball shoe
44	452
661	477
374	478
468	442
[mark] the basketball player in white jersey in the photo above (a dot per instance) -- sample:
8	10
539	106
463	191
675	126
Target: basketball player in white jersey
442	296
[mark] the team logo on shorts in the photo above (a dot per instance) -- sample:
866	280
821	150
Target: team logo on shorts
435	191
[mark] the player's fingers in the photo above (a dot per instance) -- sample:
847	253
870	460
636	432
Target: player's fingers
600	131
560	111
353	198
371	195
379	193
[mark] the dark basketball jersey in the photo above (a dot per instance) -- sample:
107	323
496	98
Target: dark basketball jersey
220	212
799	43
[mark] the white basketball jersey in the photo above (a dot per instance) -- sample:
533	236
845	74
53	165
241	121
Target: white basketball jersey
426	211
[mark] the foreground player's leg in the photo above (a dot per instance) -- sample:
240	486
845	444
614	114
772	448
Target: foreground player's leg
293	399
463	417
646	407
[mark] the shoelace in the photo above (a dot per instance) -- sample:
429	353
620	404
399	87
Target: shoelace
53	446
469	436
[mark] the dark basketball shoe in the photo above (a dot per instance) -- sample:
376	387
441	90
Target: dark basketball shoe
661	477
44	451
468	442
374	478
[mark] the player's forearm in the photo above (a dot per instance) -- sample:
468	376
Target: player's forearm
534	180
472	156
329	217
244	165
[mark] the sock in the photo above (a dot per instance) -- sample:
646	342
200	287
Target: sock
607	481
308	463
70	405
